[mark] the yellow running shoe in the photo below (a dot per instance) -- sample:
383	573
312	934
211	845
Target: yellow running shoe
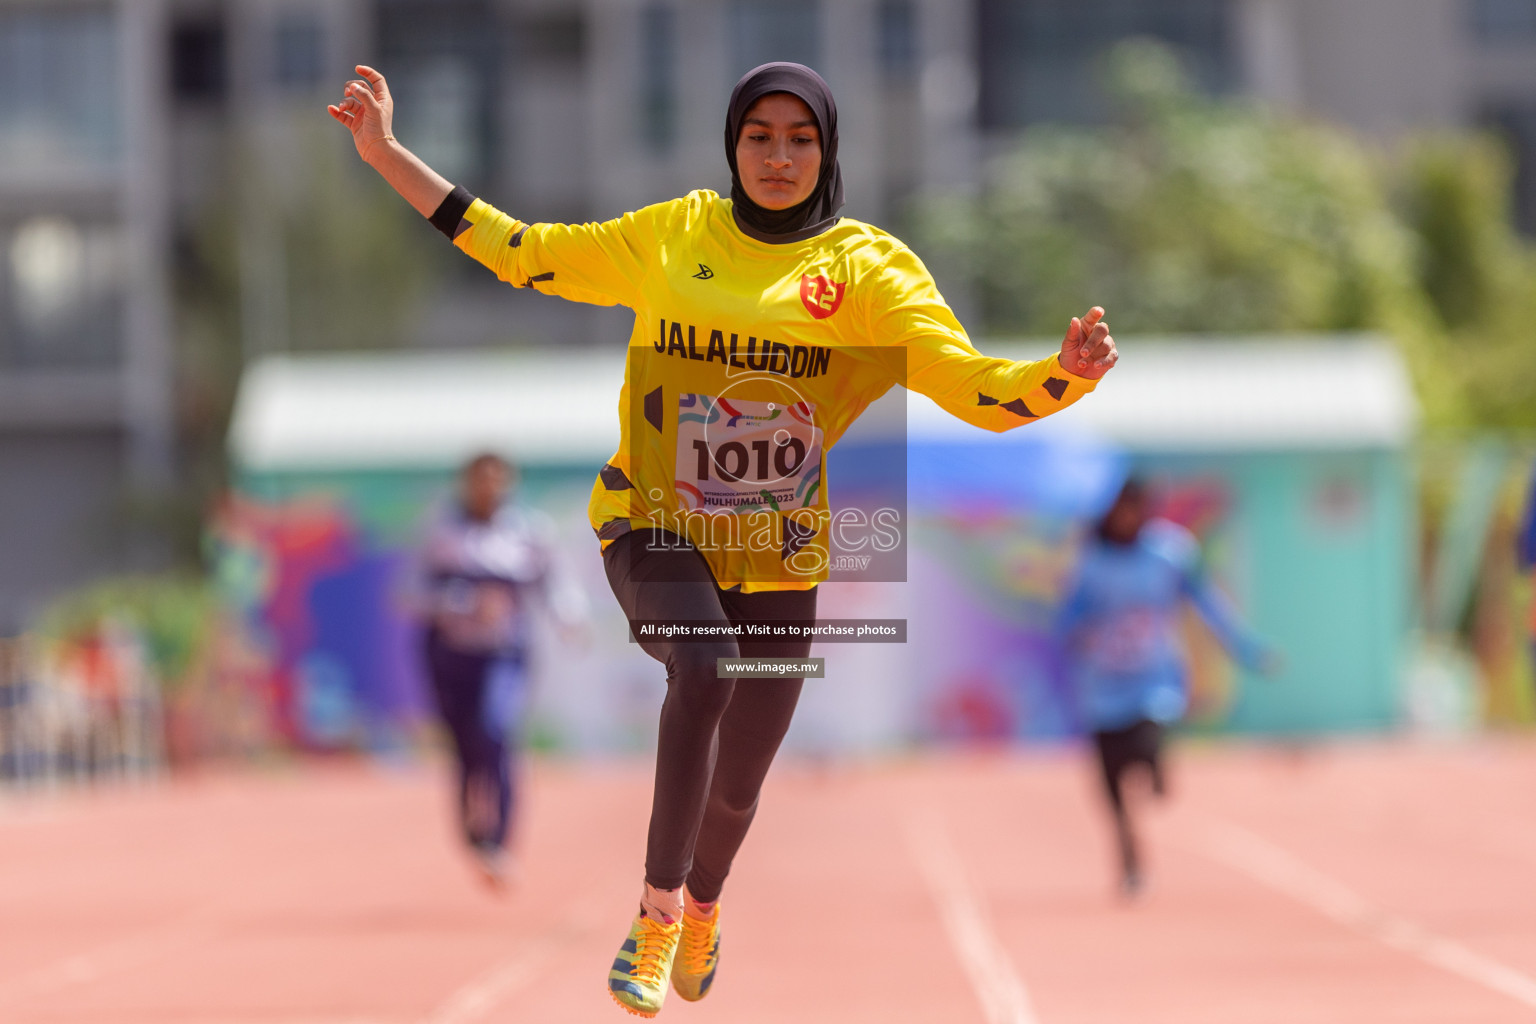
638	981
694	971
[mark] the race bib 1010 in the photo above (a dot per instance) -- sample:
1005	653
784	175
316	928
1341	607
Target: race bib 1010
735	455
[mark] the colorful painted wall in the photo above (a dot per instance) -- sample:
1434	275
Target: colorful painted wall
1315	549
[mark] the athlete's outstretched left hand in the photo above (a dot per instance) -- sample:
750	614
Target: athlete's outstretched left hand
1088	350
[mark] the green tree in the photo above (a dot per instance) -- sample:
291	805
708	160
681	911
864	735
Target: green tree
1192	214
1480	277
315	254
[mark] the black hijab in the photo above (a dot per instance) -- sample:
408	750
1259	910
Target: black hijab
819	210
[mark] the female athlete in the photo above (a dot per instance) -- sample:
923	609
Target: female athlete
1120	623
764	324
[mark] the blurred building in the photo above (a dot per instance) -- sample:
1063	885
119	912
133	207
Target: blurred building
580	109
122	122
85	385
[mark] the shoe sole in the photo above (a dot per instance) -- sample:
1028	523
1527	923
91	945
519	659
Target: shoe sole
630	1009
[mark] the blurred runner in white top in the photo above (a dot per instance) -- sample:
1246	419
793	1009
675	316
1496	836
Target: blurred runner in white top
485	565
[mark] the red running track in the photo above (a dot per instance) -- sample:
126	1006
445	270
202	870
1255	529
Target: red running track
1364	883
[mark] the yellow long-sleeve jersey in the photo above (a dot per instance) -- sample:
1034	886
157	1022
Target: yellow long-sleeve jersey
747	362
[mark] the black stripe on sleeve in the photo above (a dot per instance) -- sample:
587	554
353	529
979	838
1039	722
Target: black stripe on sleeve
451	211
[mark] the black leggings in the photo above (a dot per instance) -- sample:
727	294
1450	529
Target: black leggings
717	736
1138	743
480	698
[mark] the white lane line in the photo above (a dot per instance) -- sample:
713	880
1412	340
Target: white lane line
124	953
483	993
1265	862
998	987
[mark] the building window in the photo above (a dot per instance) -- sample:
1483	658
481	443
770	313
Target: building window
199	68
1032	52
1503	21
62	292
440	119
897	21
298	51
768	30
445	56
658	90
556	38
58	90
1516	123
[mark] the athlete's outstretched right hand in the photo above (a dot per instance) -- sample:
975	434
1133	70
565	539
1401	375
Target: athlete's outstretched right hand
367	110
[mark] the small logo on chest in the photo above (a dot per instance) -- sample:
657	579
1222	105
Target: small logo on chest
821	297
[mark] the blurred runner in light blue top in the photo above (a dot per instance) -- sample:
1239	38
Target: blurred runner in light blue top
1120	622
1121	617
